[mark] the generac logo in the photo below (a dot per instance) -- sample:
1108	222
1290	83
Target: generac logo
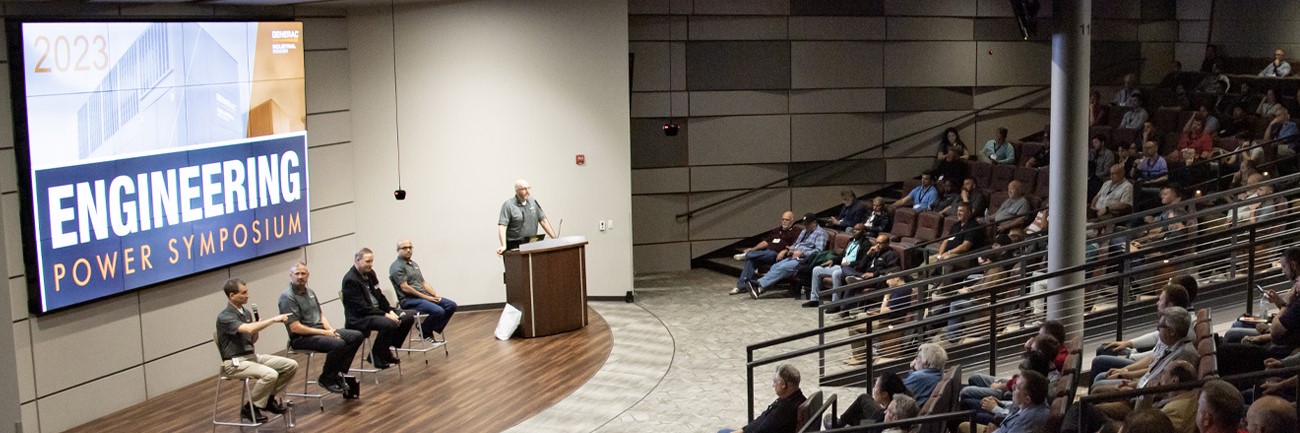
284	34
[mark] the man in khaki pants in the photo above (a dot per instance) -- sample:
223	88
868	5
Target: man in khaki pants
236	333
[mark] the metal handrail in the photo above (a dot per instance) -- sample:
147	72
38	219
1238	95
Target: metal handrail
1184	386
968	415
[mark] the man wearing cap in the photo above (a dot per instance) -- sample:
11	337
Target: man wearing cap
519	218
810	242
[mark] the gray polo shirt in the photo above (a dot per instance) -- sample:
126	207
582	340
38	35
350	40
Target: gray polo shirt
304	306
230	341
408	272
520	219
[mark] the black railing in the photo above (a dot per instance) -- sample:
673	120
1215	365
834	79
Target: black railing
1151	390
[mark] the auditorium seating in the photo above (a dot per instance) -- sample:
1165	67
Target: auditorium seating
904	224
929	225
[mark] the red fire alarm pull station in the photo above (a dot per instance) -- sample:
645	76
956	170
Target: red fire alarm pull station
580	159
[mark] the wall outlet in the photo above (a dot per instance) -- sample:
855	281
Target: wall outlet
602	225
610	225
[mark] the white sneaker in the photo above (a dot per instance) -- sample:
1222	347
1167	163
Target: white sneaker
434	342
739	257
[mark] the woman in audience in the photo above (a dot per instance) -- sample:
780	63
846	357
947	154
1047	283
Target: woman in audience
951	141
870	409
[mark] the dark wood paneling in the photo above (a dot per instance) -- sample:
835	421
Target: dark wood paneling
738	65
837	7
485	385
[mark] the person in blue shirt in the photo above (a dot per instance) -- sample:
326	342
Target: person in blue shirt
810	242
922	197
998	150
1030	397
927	370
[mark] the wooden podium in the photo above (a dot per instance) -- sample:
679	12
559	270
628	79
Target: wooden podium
547	281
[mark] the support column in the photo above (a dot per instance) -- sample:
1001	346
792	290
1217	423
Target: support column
1068	194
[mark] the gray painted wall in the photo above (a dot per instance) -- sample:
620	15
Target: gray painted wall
765	89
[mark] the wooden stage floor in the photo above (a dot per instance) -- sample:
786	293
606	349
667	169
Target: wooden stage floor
485	385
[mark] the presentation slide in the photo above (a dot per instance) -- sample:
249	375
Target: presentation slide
157	150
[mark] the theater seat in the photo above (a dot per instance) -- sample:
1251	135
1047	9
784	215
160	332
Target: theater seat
904	223
929	225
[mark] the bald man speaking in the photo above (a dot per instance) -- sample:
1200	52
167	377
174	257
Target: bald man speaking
519	218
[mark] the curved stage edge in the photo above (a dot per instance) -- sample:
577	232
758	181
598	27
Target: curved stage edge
485	385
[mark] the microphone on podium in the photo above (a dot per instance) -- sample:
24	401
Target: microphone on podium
256	317
559	228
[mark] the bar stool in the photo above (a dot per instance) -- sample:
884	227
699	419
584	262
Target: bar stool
414	337
366	357
306	378
244	400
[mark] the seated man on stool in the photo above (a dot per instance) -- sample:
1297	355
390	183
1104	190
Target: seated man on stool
366	309
237	330
310	330
414	293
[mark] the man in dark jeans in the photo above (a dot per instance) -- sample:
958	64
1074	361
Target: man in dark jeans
783	414
367	309
310	330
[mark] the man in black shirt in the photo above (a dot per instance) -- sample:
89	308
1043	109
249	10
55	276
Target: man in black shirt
366	309
782	415
966	235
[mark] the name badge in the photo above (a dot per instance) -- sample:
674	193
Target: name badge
776	241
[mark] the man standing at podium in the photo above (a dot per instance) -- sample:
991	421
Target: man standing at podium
519	218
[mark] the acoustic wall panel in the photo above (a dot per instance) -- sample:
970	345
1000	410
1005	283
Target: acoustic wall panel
8	171
917	134
903	169
22	351
1012	97
739	218
328	260
738	65
739	102
1158	31
835	64
837	7
1116	9
1014	64
125	388
737	28
334	221
329	128
1108	30
929	64
13	234
1159	9
848	172
928	98
741	7
997	29
656	258
75	331
701	248
182	368
737	177
650	70
656	218
837	100
817	198
661	180
649	27
739	140
327	33
954	8
1019	123
336	187
652	149
1200	9
931	29
837	28
329	73
18	298
1194	31
1160	61
826	137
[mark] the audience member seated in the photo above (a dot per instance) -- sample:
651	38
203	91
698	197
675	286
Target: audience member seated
991	397
1124	96
811	241
1260	210
1125	359
1239	122
1283	335
927	370
966	235
1015	210
1151	171
834	271
869	409
951	168
1127	155
923	197
1215	82
1211	57
999	150
903	407
1268	107
1173	327
1166	226
852	213
951	141
1030	407
1115	198
1271	415
782	416
1038	225
311	330
1147	421
1247	151
772	248
1042	157
1098	113
1136	115
878	260
1282	128
365	308
1149	133
1100	158
1195	173
879	219
898	297
1195	137
1210	121
1278	67
1219	408
1179	406
949	197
